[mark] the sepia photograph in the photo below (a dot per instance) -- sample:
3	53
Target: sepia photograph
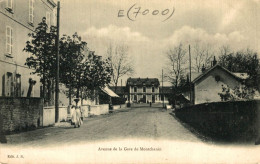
129	81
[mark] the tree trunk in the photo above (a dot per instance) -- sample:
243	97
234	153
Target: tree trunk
43	89
70	90
70	95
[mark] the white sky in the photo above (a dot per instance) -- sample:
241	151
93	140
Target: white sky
213	23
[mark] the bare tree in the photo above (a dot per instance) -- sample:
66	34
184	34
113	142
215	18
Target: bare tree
202	56
176	65
120	62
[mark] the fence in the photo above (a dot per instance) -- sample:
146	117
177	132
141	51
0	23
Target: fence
225	120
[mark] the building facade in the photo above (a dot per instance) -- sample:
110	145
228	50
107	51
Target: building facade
19	18
208	85
143	90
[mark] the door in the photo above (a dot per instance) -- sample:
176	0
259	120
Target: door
144	98
153	98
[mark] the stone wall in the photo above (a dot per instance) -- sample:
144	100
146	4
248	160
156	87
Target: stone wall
20	113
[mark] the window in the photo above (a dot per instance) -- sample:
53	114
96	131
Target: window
48	19
144	89
9	84
18	86
152	89
9	5
135	89
31	11
9	40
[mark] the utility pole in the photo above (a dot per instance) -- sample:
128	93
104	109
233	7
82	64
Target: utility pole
162	89
57	66
190	73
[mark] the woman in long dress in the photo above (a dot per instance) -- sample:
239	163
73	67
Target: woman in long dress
76	117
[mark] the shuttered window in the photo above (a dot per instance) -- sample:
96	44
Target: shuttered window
31	11
9	40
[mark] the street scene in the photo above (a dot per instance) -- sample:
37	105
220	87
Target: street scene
138	122
129	81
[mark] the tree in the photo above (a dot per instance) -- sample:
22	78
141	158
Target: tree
71	62
176	65
97	75
242	61
202	57
83	72
42	59
120	62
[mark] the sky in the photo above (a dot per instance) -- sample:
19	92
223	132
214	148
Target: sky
212	23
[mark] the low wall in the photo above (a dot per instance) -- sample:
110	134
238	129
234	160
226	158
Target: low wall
225	120
85	110
20	113
99	109
49	115
117	107
63	113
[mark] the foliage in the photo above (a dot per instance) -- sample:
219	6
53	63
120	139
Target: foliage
71	59
42	50
238	93
242	61
82	70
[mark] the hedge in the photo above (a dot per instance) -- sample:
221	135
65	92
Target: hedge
223	120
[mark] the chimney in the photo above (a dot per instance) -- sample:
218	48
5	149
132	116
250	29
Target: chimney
214	61
203	69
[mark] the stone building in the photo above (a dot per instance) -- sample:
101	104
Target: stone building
18	18
143	90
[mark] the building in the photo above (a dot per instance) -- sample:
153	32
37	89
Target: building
120	91
18	18
143	90
165	93
208	84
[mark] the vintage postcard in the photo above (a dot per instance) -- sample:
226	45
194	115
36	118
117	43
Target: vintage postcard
129	81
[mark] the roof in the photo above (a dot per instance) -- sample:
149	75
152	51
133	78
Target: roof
143	81
242	75
224	69
52	3
109	92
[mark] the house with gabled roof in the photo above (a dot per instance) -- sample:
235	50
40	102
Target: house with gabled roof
207	85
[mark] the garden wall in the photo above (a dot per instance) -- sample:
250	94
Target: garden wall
225	120
119	107
49	115
20	113
99	109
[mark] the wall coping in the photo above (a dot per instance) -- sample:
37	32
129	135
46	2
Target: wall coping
36	98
